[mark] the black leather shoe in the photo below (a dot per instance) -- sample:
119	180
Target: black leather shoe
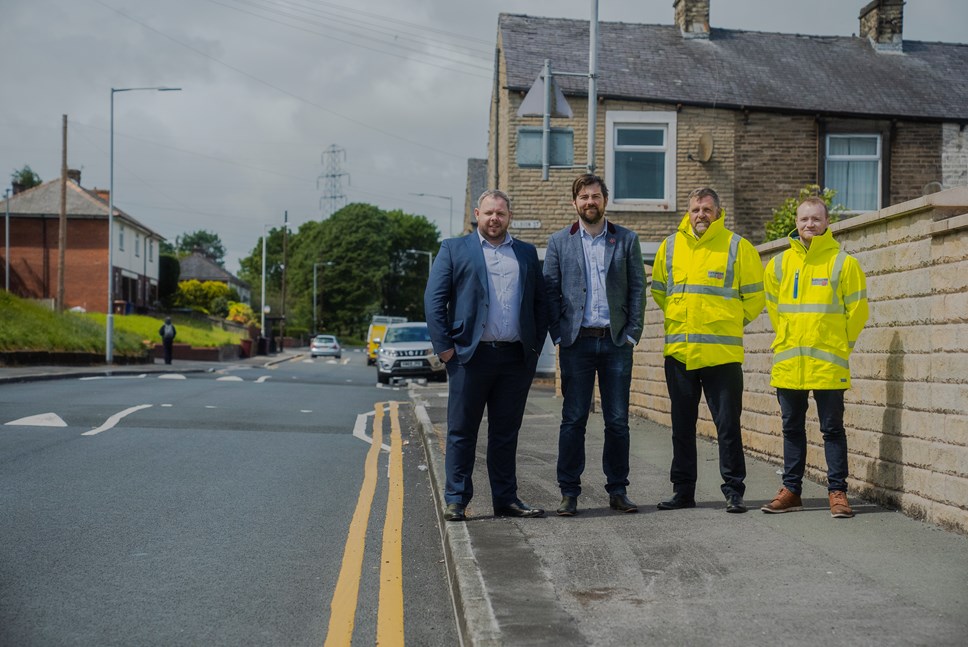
677	502
519	510
568	507
622	503
454	512
734	503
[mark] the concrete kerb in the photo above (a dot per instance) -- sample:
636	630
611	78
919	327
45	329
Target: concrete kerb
476	622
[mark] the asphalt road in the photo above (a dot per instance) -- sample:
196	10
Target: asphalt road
213	508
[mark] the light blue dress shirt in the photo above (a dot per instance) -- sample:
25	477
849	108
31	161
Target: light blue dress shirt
503	291
596	314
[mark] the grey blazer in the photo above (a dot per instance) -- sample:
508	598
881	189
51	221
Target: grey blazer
564	274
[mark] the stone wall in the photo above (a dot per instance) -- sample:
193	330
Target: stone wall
907	412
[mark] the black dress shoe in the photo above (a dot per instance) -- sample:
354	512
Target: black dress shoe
734	503
677	502
519	510
454	512
622	503
568	507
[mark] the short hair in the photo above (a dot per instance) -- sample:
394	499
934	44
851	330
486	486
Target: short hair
817	200
704	192
584	180
495	193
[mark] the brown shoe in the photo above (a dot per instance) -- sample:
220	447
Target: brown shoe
839	508
784	501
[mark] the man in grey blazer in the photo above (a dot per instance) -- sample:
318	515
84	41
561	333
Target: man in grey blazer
595	281
487	317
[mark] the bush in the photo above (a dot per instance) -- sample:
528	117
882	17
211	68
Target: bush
785	217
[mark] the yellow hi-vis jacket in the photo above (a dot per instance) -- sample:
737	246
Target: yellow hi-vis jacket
817	302
708	288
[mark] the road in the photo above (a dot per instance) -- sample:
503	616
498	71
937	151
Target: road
220	508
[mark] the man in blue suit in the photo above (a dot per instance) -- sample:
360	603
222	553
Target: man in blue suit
487	318
595	282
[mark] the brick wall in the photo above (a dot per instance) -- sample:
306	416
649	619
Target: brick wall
954	156
915	159
907	412
33	261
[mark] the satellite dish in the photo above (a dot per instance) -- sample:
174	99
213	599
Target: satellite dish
931	187
705	151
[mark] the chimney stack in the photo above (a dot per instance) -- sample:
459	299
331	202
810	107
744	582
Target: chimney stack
74	174
692	17
881	23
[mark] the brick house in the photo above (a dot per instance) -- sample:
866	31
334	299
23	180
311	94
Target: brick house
34	225
755	115
200	267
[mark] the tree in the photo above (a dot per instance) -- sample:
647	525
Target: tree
169	271
208	242
785	216
25	178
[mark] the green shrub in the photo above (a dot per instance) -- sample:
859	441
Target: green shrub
785	217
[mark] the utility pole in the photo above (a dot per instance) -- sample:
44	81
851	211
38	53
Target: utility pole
285	262
332	160
62	223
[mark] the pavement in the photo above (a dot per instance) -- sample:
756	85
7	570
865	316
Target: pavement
685	577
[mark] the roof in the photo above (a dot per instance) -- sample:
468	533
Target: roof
44	200
743	69
200	267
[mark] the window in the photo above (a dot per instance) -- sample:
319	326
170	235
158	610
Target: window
137	245
151	250
121	237
853	170
560	149
640	150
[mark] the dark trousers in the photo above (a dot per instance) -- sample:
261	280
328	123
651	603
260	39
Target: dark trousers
830	410
580	363
167	344
723	388
497	379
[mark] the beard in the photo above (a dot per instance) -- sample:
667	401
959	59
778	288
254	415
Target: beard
591	215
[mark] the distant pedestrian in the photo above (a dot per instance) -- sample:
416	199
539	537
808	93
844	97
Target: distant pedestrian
708	281
488	321
167	332
816	296
595	281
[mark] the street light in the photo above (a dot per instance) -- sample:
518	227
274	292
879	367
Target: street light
449	200
263	293
109	328
6	238
315	265
430	258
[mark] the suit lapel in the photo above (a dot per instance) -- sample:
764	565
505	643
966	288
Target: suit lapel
476	253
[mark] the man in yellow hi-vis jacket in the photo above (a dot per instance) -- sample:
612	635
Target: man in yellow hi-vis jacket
816	296
708	281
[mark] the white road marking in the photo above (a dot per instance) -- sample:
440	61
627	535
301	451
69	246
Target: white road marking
40	420
211	406
172	376
229	378
305	411
262	379
166	405
114	377
359	430
115	419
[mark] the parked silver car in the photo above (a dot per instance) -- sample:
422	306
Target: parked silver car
325	346
406	351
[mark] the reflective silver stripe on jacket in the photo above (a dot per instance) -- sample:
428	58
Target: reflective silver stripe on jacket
725	291
724	340
804	351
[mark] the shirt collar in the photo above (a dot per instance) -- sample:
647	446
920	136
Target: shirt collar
508	240
584	232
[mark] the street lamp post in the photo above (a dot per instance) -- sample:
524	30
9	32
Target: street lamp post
6	239
263	292
315	265
449	199
430	258
109	327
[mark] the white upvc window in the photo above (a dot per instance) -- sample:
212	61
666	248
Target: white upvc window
640	160
151	250
853	170
120	237
137	245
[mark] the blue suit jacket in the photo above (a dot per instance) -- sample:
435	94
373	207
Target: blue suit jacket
456	299
564	274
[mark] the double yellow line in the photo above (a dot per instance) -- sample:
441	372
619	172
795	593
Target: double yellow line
342	615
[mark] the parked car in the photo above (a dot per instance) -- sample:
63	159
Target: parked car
325	346
374	335
406	351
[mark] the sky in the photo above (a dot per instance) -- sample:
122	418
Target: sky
399	89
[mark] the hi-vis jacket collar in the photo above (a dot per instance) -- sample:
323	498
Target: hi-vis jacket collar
608	224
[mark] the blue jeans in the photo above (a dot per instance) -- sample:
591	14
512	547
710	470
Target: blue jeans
723	388
830	410
579	364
